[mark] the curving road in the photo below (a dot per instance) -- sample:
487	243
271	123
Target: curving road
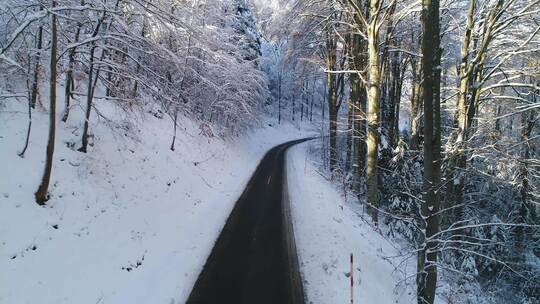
254	259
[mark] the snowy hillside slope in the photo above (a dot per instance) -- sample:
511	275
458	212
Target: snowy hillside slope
129	222
327	230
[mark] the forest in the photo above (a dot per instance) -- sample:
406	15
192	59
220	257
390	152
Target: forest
427	111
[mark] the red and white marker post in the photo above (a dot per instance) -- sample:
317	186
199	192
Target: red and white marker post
352	280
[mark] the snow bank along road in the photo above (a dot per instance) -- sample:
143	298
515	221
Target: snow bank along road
254	259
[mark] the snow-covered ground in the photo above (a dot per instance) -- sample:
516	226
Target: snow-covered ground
327	230
129	222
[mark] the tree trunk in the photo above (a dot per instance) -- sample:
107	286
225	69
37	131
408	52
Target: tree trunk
175	124
350	128
416	104
303	100
359	99
323	106
35	81
279	98
526	210
362	134
89	98
395	96
69	75
332	113
373	112
41	194
427	260
28	130
293	106
312	100
92	82
143	34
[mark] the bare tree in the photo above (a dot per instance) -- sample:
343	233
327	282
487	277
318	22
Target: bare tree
41	194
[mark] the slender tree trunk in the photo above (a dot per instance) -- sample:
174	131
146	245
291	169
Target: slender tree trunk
427	261
397	105
332	110
324	104
395	96
41	194
312	100
92	82
35	81
373	112
279	98
526	210
143	34
332	115
416	105
293	106
69	74
28	130
350	132
89	98
362	134
302	100
359	95
351	161
175	124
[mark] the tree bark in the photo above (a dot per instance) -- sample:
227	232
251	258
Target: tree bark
279	97
416	105
427	260
312	100
303	100
526	209
41	194
332	120
359	99
174	127
28	130
395	95
332	92
293	106
89	97
35	81
350	130
323	105
69	74
373	111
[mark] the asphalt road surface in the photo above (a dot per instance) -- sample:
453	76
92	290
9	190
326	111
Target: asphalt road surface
254	259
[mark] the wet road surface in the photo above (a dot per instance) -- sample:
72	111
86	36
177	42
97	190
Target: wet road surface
254	259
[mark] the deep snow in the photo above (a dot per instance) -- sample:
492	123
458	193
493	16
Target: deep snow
129	222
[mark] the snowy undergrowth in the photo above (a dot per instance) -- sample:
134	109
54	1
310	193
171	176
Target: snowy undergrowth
328	229
129	222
